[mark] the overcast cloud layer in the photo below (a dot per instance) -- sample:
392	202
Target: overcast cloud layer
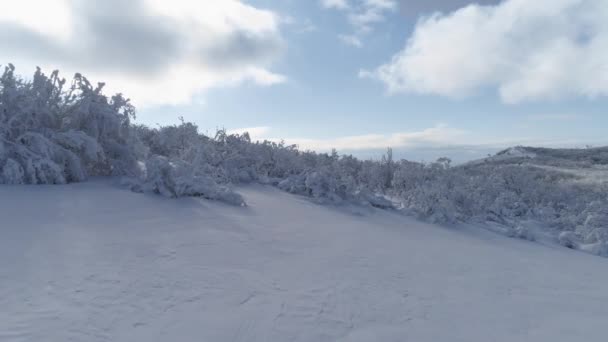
155	51
526	50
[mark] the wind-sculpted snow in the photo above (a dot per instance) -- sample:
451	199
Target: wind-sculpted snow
53	135
99	263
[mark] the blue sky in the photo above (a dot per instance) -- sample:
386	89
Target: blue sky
441	77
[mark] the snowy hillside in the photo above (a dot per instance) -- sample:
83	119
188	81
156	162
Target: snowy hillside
559	157
54	134
588	165
95	262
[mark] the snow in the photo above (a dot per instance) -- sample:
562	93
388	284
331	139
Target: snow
516	152
597	174
95	262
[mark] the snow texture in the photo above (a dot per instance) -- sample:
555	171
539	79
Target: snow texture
99	263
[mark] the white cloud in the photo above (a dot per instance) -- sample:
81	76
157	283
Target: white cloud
371	12
527	50
51	17
428	144
154	51
362	15
438	135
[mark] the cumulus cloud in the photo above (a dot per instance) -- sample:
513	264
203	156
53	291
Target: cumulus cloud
155	51
362	15
526	50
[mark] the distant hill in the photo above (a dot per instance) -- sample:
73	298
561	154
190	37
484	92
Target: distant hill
563	157
587	165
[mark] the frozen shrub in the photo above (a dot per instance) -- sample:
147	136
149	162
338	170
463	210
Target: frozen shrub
13	173
59	135
177	179
568	239
373	199
294	184
521	232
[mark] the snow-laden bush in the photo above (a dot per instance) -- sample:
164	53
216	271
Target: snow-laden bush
178	179
521	232
508	194
52	135
326	178
568	239
12	172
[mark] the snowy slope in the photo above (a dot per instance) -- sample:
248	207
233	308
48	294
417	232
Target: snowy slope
573	158
94	262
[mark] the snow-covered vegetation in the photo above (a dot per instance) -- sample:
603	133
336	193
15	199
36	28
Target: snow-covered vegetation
53	134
